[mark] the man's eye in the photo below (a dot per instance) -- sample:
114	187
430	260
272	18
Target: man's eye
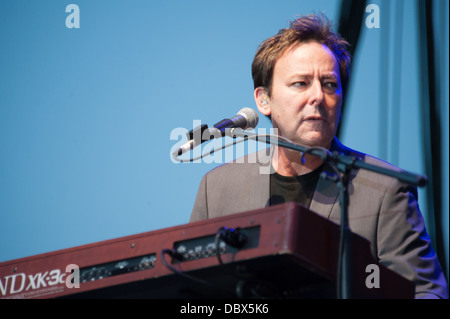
300	83
331	85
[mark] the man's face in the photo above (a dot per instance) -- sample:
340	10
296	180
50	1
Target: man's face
306	99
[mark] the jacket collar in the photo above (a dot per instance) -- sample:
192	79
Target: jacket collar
324	199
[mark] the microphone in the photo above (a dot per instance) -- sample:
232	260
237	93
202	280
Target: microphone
245	118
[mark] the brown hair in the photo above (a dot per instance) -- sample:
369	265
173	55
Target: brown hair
307	28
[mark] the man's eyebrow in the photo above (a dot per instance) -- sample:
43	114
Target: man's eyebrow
301	75
332	75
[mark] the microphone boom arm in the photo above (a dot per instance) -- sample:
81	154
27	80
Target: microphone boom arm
335	157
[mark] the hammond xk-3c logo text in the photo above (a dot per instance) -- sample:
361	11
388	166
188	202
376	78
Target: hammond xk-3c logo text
22	285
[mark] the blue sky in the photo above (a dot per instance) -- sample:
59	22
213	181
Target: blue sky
86	114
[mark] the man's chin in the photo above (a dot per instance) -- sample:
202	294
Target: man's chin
314	142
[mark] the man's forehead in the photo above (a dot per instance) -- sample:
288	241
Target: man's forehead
303	59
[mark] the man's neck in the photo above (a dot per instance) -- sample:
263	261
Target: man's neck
289	162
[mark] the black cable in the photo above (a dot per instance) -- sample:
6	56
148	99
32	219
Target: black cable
219	236
173	254
237	239
230	236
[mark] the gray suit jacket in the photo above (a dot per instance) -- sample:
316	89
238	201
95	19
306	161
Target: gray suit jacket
381	209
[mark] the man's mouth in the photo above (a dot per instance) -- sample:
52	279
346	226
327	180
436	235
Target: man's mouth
314	118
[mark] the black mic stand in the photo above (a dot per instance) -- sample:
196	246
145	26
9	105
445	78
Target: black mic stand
342	165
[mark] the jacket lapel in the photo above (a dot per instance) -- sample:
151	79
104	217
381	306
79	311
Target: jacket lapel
260	191
325	200
260	180
325	196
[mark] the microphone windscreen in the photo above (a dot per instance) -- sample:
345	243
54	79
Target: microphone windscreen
251	117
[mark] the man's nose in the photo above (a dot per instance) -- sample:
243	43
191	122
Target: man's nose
316	93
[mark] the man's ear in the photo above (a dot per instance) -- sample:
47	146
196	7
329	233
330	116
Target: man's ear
262	100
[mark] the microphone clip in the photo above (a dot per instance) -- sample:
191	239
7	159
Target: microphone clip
198	134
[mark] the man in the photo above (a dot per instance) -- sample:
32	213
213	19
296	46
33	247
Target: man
300	78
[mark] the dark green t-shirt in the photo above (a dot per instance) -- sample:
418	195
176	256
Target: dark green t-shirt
298	189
